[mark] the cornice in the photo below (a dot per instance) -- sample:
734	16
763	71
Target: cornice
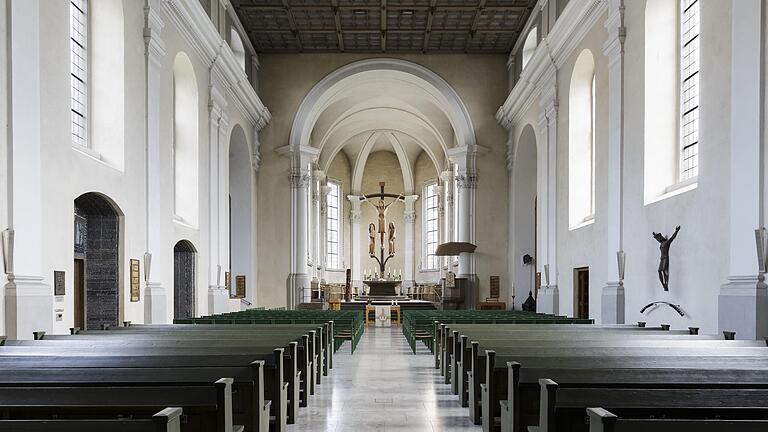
198	31
577	19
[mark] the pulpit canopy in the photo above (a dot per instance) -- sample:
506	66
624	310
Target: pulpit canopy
454	248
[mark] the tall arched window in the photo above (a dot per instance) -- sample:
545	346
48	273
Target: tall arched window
581	142
529	46
689	89
78	44
185	141
333	226
431	226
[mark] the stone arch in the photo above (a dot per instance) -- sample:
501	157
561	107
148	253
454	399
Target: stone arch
241	211
524	212
97	261
184	279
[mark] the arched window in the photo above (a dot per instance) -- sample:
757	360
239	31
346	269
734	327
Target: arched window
431	226
185	141
581	142
78	44
689	89
238	49
529	46
333	226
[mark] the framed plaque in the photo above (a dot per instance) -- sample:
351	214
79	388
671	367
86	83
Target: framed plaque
538	280
135	280
240	286
228	281
59	283
494	287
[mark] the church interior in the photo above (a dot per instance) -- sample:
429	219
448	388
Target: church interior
389	215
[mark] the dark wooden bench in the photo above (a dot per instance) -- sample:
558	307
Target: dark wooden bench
206	407
167	420
563	408
601	420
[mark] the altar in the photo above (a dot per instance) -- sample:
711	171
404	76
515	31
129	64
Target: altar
382	288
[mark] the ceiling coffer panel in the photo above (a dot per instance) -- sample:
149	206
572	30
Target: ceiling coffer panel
482	26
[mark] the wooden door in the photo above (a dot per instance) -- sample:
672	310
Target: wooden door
79	291
184	284
581	297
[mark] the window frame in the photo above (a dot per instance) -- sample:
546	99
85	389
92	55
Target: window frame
430	262
79	142
690	174
339	226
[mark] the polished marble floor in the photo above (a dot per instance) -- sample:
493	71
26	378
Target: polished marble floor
383	387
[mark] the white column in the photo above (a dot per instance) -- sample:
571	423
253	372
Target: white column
612	304
466	160
355	214
318	176
218	296
155	297
511	258
298	284
409	219
743	300
548	300
28	300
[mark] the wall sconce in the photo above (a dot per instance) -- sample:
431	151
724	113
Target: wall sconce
218	275
761	241
7	246
621	258
147	266
546	275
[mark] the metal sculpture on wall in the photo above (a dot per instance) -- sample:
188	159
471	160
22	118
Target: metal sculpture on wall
676	307
664	244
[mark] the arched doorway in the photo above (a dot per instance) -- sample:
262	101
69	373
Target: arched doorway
184	279
241	211
97	261
524	214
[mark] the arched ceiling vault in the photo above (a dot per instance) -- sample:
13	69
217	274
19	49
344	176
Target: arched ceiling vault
382	104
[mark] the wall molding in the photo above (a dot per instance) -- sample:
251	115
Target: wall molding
578	18
198	31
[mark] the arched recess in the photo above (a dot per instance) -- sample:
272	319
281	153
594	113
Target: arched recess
241	211
381	69
238	49
184	279
107	80
529	46
524	212
97	260
186	134
581	140
661	97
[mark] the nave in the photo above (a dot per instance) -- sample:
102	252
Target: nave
384	387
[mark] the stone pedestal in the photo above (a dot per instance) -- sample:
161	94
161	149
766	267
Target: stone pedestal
155	304
218	300
28	307
743	307
612	307
548	300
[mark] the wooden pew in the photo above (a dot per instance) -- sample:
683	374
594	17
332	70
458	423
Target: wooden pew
206	408
520	409
248	405
266	386
167	420
601	420
566	406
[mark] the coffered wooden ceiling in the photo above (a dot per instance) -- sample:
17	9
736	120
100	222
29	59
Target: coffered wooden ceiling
435	26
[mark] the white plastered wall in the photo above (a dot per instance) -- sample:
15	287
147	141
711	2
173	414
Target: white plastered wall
67	173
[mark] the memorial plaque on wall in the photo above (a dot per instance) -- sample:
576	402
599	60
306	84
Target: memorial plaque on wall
228	281
538	280
495	287
135	281
59	283
240	286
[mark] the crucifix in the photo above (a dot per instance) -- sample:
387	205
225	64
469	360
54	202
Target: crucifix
381	207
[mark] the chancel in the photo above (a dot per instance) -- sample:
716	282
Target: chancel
417	215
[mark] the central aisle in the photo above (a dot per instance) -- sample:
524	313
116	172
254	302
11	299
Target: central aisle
383	387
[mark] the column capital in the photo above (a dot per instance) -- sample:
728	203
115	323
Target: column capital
409	217
303	155
299	178
153	42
